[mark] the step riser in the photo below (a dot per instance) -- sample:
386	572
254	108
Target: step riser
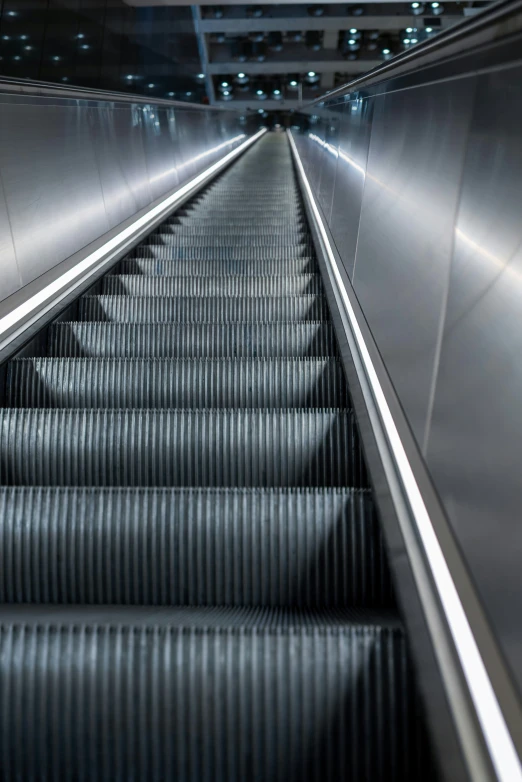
233	340
191	705
218	449
138	309
139	285
87	383
209	268
207	548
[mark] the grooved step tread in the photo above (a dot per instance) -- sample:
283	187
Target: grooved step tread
284	548
158	266
209	309
180	448
224	285
191	340
182	383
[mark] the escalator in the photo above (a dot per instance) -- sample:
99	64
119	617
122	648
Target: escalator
193	580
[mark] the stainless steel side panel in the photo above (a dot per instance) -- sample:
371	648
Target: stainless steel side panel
51	183
475	441
118	142
350	177
406	231
71	170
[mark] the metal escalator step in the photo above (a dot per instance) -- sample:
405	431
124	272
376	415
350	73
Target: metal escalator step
280	448
210	309
191	340
182	383
158	266
223	695
237	241
224	285
192	547
261	224
294	233
275	253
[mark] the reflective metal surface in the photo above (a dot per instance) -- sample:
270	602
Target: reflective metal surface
437	248
405	232
475	439
351	174
71	170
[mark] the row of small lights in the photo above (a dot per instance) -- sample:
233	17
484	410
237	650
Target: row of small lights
225	86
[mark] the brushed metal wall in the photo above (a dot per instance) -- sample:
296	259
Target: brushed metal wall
73	169
425	212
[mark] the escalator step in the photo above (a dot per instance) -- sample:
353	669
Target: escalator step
210	309
224	285
295	233
272	224
297	548
183	383
254	698
227	240
180	448
153	267
276	253
191	340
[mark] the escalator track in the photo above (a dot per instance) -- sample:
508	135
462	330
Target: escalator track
193	580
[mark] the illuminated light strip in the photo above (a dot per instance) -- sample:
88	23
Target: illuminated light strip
504	757
54	291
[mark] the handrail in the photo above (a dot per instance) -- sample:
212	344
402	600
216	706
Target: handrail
49	89
487	26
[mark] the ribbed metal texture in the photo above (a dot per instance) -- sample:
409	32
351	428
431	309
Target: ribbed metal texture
289	253
211	268
183	383
210	309
179	448
189	703
193	582
224	285
189	340
192	547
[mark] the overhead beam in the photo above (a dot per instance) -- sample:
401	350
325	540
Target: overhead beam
270	24
294	66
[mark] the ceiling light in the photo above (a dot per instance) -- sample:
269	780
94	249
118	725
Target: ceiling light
226	92
277	92
129	77
6	37
437	8
351	41
80	36
240	75
293	83
386	51
201	75
65	78
311	74
429	29
259	92
406	40
414	40
12	13
171	94
85	46
417	8
225	84
17	57
151	86
409	29
28	48
260	111
353	30
56	58
188	94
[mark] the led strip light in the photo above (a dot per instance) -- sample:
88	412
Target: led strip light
503	754
36	306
